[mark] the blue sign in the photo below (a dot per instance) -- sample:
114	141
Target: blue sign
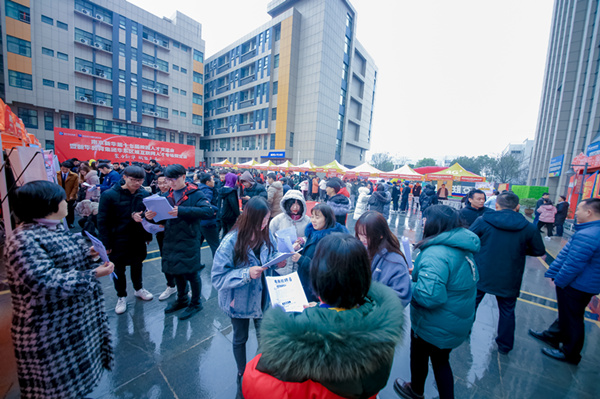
276	154
556	165
593	149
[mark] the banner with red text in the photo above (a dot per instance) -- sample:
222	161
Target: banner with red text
71	143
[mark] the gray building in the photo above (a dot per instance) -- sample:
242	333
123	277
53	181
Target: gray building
300	87
105	66
569	115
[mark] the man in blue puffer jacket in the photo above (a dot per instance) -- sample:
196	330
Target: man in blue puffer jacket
576	274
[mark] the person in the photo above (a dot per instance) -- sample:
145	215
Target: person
405	196
229	208
395	197
389	266
238	276
379	199
274	194
506	238
304	187
149	177
163	191
562	209
322	190
117	167
474	207
209	227
344	347
491	201
315	188
339	203
362	202
286	185
443	300
428	198
442	192
576	275
540	202
121	232
90	176
69	181
322	223
416	192
293	214
547	213
59	328
181	245
111	177
251	188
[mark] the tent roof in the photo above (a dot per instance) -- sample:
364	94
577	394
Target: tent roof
459	173
406	170
251	162
307	165
365	167
334	165
223	163
429	169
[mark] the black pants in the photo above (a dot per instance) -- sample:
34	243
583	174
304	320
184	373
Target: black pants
506	321
135	270
227	225
395	204
211	235
549	227
404	204
420	353
559	230
71	215
569	328
195	284
241	328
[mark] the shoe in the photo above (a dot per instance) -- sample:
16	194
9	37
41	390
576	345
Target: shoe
547	238
144	294
190	311
167	293
559	355
177	305
541	337
503	351
121	305
404	390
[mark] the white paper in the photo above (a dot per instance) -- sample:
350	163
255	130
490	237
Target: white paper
160	205
151	227
286	239
278	259
287	292
98	247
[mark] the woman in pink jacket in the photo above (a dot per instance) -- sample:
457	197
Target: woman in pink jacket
547	212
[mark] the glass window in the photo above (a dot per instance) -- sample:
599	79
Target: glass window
198	78
175	112
172	137
175	44
17	11
64	121
122	49
272	141
122	22
134	54
191	140
275	87
134	28
63	86
29	117
175	90
196	119
49	145
62	56
62	25
180	138
47	82
19	79
183	114
198	56
183	70
18	46
197	99
48	120
274	114
183	92
291	139
276	61
47	51
277	33
47	20
175	67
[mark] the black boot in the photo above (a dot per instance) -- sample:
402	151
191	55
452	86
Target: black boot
177	305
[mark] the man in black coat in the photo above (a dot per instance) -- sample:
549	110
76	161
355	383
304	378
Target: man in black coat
121	232
562	209
395	196
209	227
405	195
474	208
251	188
506	238
416	192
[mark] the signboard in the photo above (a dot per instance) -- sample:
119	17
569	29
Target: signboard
556	165
276	154
593	149
70	143
589	186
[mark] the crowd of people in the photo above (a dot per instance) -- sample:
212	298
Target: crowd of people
357	283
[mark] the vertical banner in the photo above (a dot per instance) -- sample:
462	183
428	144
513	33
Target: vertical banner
589	186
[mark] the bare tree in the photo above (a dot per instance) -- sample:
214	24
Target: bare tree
382	161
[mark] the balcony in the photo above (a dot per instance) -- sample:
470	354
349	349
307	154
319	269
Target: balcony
246	103
89	100
156	90
97	46
222	130
89	72
157	42
245	126
222	110
154	66
247	79
97	17
249	54
223	68
154	114
222	89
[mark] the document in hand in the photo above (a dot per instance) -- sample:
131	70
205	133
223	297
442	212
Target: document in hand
160	205
286	239
275	261
152	228
287	292
101	249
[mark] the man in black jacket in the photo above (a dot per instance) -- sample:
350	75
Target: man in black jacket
395	196
506	238
251	188
562	209
474	208
119	217
209	227
405	195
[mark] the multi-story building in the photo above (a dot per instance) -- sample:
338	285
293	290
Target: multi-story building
569	115
300	87
105	66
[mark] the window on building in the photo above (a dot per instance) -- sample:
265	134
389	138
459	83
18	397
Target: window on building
191	140
29	117
175	44
198	56
183	114
291	139
175	112
18	46
274	114
277	32
49	145
19	79
64	121
49	83
180	138
275	87
62	56
48	120
272	144
18	11
183	92
62	25
175	67
276	61
175	90
197	99
196	119
183	70
47	20
198	78
63	86
47	51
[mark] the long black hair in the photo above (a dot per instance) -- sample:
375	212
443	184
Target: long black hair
439	219
327	213
249	231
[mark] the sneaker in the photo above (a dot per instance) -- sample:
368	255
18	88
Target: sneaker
404	390
177	305
121	305
144	294
190	311
548	238
167	293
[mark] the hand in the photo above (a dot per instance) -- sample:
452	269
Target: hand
255	272
245	198
104	270
150	215
93	252
137	216
108	251
174	211
296	257
282	264
310	305
297	246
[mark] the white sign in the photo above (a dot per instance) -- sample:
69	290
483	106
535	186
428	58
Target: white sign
287	292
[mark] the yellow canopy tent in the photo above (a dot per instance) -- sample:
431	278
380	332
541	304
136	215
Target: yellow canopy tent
287	165
364	170
461	174
405	173
306	167
247	165
333	166
264	165
223	163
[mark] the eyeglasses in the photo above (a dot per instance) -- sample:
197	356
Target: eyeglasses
135	180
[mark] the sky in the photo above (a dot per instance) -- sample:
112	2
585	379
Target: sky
455	78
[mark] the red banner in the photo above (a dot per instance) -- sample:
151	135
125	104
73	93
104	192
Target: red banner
70	143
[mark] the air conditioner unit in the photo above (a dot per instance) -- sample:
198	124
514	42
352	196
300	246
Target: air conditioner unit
99	45
101	102
85	70
155	66
99	17
156	90
155	41
101	74
84	99
84	41
86	12
154	113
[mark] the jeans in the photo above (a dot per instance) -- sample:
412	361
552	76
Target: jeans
195	283
420	353
506	322
120	282
240	337
559	230
211	234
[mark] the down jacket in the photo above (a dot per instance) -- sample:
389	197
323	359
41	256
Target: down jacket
390	268
547	213
229	206
444	288
578	264
378	201
274	196
340	204
321	353
362	202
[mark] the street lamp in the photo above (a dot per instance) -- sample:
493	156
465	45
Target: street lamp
570	174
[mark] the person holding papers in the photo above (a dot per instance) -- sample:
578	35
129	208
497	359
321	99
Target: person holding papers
342	348
238	275
322	224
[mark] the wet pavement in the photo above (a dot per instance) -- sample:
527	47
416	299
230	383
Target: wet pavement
159	356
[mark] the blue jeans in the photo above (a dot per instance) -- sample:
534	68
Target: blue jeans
506	322
240	337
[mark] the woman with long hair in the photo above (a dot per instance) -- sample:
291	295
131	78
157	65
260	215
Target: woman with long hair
389	266
229	206
443	299
238	276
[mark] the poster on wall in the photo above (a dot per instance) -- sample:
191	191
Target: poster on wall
556	165
71	143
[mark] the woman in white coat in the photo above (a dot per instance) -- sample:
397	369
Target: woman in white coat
362	202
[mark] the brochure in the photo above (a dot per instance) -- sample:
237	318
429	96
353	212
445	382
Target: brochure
160	205
287	292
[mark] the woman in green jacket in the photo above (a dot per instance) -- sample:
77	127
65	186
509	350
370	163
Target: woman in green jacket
443	302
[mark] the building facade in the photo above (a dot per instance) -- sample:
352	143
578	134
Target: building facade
298	88
569	115
105	66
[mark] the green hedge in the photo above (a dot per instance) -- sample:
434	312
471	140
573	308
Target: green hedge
529	191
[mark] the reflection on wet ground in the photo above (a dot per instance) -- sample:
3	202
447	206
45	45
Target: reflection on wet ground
159	356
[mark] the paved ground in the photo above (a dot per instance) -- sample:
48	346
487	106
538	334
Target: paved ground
158	356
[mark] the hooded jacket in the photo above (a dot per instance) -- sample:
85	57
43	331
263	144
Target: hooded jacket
256	189
362	202
562	209
229	206
547	213
390	268
212	197
378	200
506	238
427	198
274	196
468	214
340	204
325	354
444	288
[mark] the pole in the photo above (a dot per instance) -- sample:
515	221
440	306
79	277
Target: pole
585	168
